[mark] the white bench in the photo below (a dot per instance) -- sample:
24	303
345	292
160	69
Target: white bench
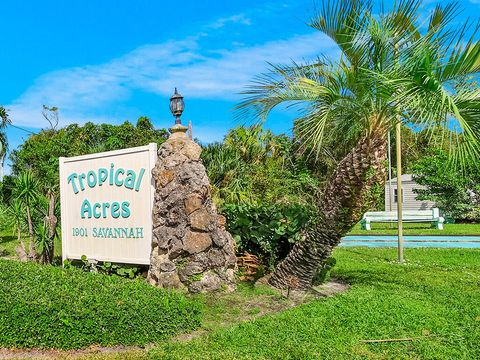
432	216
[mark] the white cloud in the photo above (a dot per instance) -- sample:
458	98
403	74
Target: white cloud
235	19
84	93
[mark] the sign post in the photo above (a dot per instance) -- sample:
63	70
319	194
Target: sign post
106	205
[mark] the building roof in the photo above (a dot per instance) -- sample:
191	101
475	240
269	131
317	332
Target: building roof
405	178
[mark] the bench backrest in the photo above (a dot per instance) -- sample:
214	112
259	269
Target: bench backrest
407	215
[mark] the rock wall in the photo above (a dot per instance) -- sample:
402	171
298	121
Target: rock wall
190	248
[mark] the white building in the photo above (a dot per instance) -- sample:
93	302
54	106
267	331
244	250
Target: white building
409	196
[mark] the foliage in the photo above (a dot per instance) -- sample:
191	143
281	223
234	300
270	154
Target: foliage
26	188
40	152
107	268
433	298
4	122
323	274
268	231
50	307
391	68
454	191
255	166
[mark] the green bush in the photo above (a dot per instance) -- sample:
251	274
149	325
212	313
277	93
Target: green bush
49	307
268	231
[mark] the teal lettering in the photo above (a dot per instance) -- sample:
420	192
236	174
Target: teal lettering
139	181
115	210
124	232
105	206
81	177
139	232
86	208
71	179
95	233
125	209
111	173
130	179
119	182
117	232
95	213
91	179
102	176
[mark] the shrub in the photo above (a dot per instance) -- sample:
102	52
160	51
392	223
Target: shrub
49	307
268	231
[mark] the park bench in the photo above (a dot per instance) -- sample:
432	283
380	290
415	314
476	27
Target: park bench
432	216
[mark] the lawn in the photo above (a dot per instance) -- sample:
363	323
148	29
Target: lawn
50	307
8	243
418	229
434	299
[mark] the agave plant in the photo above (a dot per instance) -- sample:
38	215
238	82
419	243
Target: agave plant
26	191
393	68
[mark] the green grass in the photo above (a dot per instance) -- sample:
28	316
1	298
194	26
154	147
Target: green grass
51	307
418	229
437	293
8	243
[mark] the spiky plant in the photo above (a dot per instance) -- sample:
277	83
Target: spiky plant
393	68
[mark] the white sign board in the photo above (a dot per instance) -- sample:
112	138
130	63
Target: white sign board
106	205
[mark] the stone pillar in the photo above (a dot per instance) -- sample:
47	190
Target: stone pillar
190	248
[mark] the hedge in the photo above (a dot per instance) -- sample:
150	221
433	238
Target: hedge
51	307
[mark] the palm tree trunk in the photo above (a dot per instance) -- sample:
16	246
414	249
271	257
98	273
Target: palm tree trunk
342	204
51	223
20	249
32	253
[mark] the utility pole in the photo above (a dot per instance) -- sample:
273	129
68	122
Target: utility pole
390	195
398	129
190	130
398	133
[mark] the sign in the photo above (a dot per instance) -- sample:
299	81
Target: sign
106	205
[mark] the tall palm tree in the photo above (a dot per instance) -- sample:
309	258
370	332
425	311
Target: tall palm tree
26	191
16	216
392	69
4	121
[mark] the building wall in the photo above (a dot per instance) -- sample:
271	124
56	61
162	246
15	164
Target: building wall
409	201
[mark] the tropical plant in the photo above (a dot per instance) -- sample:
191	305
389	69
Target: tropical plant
455	191
26	191
16	221
4	121
44	243
40	152
392	69
254	166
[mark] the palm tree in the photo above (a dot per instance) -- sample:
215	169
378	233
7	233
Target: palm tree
4	121
391	70
16	217
26	191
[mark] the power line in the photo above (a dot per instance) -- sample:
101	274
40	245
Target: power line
28	131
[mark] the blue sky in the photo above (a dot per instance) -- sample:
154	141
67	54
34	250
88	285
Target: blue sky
116	60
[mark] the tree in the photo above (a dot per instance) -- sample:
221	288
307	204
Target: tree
26	191
4	121
16	218
254	166
390	70
455	191
40	152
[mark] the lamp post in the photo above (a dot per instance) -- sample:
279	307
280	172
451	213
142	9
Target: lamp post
176	107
